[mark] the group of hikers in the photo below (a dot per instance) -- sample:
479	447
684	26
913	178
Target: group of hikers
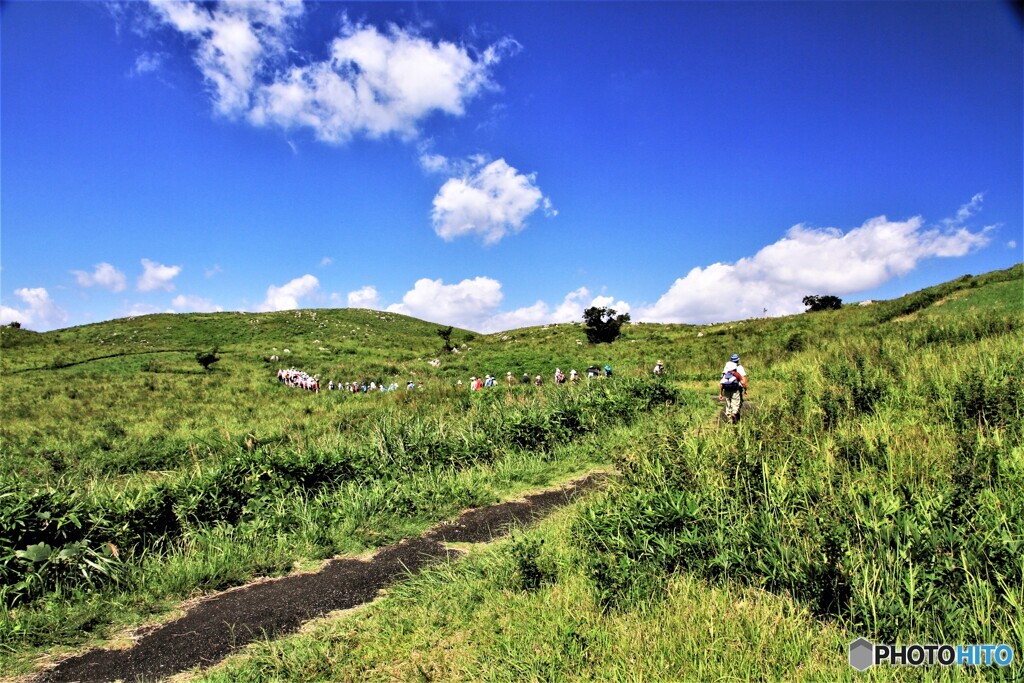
731	387
298	379
478	383
303	380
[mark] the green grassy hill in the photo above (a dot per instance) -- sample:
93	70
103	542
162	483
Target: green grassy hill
873	489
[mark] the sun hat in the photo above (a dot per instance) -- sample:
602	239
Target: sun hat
735	358
607	367
661	362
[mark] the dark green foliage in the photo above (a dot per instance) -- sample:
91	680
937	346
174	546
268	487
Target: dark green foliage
603	326
826	302
796	342
207	358
14	325
854	386
531	569
445	333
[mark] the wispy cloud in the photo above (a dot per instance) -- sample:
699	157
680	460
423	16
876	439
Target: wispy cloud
157	276
148	62
966	211
104	275
287	296
40	311
490	202
234	41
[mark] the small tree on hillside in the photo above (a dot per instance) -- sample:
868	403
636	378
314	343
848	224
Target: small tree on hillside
207	358
445	333
822	303
602	325
15	325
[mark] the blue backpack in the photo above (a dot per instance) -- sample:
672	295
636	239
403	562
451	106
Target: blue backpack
730	379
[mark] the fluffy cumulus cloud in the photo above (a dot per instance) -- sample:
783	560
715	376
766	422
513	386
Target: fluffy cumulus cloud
157	276
812	261
374	83
194	304
104	275
364	297
287	296
467	304
490	202
39	312
474	304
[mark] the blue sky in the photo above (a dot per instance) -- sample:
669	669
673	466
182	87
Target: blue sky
496	165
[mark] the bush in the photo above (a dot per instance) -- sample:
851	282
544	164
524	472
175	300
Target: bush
603	326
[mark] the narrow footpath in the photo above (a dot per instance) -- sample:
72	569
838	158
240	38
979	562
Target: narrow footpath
222	623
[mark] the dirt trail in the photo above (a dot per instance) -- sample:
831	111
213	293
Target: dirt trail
222	623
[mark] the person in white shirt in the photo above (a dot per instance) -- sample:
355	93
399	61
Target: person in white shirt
732	387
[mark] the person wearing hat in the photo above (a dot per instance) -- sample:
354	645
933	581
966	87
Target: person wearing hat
731	388
659	368
607	371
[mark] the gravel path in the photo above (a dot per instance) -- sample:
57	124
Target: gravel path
222	623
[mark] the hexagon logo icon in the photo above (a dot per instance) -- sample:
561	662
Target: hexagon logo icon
862	654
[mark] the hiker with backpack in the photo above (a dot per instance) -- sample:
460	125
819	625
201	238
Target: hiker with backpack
731	388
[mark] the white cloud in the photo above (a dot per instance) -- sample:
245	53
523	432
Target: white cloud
147	62
326	262
1012	244
234	40
40	313
215	270
364	297
492	201
473	304
375	82
809	261
569	310
157	276
967	210
286	297
104	275
194	304
467	304
146	309
434	163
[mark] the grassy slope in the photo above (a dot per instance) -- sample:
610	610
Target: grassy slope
532	608
78	404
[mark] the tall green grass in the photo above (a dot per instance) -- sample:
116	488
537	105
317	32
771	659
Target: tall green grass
873	487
